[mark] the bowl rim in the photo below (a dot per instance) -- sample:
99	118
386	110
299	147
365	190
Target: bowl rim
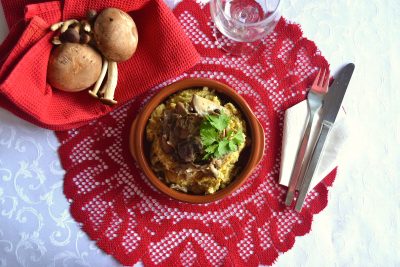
137	138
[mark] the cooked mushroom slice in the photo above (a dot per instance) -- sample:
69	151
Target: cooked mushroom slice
217	162
180	109
178	188
197	189
182	129
186	126
204	106
186	152
165	146
189	150
214	170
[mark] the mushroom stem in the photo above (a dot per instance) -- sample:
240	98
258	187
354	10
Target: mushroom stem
77	27
214	170
86	26
67	23
56	26
56	40
111	84
96	87
102	91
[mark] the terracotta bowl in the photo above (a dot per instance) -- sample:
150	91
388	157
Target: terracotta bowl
248	160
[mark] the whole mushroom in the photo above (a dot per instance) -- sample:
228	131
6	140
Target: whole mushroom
73	67
115	34
116	37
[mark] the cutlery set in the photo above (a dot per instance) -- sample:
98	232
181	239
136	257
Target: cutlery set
330	101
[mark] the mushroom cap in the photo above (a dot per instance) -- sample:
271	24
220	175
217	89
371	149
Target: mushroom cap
73	67
203	106
115	34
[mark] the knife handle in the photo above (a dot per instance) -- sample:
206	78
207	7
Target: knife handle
313	163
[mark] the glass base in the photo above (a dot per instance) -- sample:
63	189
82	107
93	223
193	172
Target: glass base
233	47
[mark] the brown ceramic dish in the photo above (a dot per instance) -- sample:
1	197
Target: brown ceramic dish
249	159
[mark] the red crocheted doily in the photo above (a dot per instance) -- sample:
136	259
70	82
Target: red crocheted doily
129	219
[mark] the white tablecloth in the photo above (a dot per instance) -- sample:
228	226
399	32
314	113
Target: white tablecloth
360	226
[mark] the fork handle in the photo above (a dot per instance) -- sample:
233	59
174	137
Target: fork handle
294	178
313	164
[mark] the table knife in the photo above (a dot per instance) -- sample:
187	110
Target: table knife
332	103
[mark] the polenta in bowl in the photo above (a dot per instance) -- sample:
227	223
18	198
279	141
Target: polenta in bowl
196	140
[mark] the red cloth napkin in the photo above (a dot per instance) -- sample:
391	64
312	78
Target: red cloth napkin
129	219
163	52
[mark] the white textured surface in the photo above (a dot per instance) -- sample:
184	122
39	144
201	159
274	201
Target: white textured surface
360	226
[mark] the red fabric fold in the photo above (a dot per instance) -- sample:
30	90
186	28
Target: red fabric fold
164	51
73	8
14	10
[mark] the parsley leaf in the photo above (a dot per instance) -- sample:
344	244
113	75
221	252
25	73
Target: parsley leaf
215	143
238	138
223	148
208	135
218	122
210	150
232	146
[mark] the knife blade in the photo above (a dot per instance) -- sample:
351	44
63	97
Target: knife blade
332	103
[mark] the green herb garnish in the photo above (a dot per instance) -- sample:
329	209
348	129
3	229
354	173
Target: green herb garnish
219	122
212	136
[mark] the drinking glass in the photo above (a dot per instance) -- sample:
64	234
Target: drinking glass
242	24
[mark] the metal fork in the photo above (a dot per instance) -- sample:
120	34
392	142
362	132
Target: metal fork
314	101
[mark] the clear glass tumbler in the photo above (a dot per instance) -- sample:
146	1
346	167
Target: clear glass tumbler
241	23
